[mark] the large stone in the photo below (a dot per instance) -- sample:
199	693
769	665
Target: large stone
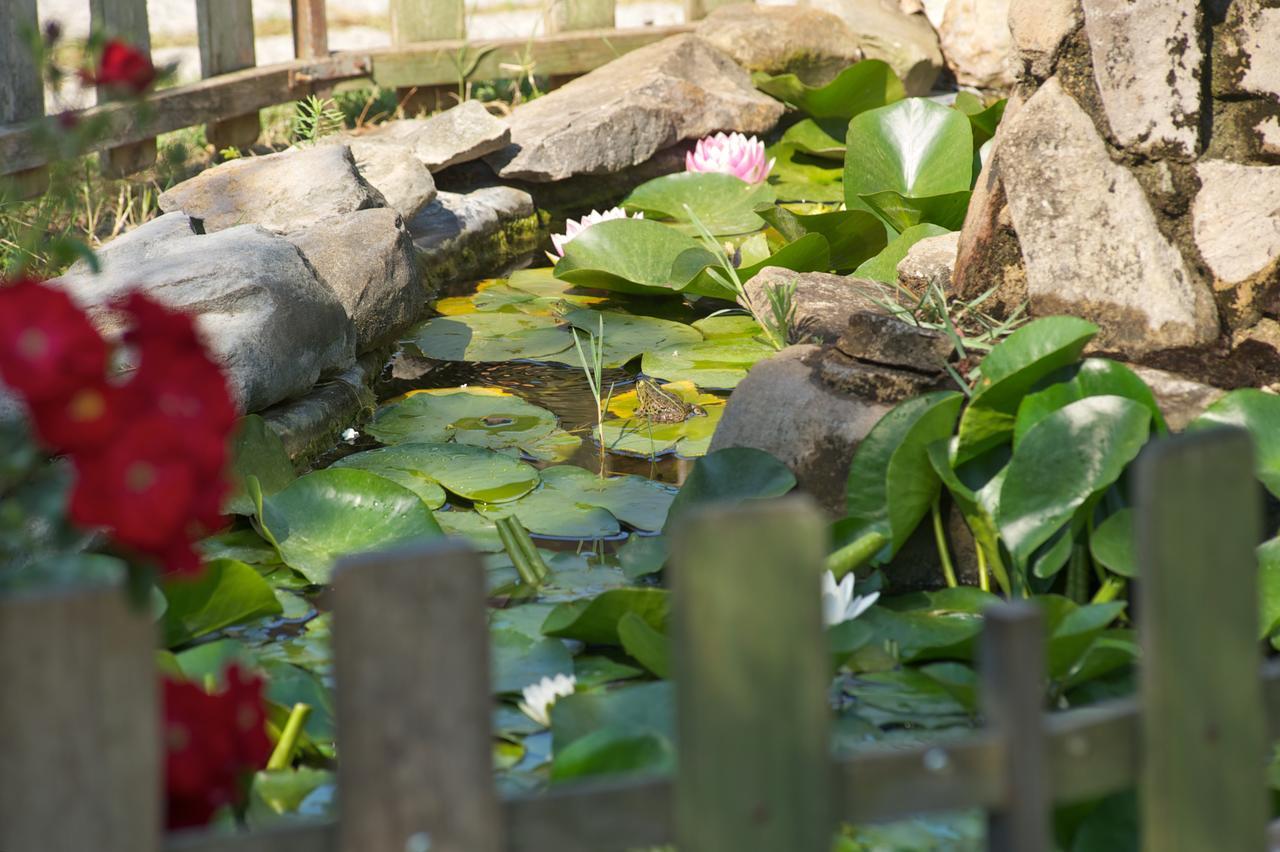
1251	60
929	262
1089	238
265	316
457	135
885	340
392	169
620	114
823	302
312	425
367	259
1038	29
1236	218
975	40
281	192
906	42
812	44
1181	399
1148	63
474	235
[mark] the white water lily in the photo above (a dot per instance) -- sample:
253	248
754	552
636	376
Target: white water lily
350	435
540	696
839	604
573	227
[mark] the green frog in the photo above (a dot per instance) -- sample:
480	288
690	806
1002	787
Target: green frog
658	405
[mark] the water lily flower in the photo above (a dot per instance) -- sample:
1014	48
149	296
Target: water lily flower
540	696
349	435
573	227
733	154
838	601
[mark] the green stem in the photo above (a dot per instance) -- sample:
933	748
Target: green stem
282	755
856	553
984	578
529	549
1111	589
1078	574
940	539
528	574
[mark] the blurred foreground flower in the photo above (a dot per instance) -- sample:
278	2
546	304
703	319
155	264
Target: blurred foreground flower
573	227
122	66
540	696
733	154
838	601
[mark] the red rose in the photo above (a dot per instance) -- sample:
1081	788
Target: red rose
125	67
48	347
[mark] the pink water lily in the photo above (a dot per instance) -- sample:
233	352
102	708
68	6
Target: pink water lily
734	154
573	227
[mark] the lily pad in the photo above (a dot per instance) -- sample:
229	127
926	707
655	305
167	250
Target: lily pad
902	211
478	530
226	592
820	138
914	147
575	503
632	256
862	86
723	203
331	513
256	451
491	336
550	514
626	336
731	346
983	119
527	291
473	473
854	236
630	434
799	176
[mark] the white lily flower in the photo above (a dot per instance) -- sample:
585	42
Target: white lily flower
540	696
839	604
350	435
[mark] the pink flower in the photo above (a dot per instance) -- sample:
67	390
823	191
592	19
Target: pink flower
574	227
735	154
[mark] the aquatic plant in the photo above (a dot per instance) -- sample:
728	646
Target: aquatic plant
541	696
733	153
839	603
573	227
591	357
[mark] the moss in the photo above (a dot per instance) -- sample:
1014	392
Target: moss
484	255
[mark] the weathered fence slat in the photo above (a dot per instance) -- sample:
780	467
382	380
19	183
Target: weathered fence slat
125	19
79	723
427	20
22	94
752	678
571	15
1013	681
695	10
411	650
225	29
1203	733
310	29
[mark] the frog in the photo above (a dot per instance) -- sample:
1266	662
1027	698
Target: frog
659	405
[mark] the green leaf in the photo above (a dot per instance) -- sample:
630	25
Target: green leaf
717	363
1010	371
626	336
983	119
473	473
1073	633
1269	587
640	708
647	646
595	621
491	336
332	513
1112	544
853	236
256	450
575	503
862	86
884	266
819	138
226	592
1069	456
613	753
643	555
797	176
902	212
1091	377
518	660
977	515
914	147
810	253
724	204
632	256
1259	413
731	476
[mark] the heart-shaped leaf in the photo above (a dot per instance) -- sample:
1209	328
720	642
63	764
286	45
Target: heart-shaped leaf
731	476
724	204
595	621
1091	377
884	266
1259	413
914	147
473	473
632	256
226	592
490	337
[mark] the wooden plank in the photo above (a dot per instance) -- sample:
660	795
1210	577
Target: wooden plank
752	672
225	29
310	29
1013	678
317	837
1204	743
411	650
695	10
591	817
79	726
22	95
427	20
1093	751
125	19
562	16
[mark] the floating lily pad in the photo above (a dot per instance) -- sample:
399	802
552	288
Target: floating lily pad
631	256
527	291
625	336
479	417
478	530
862	86
630	434
473	473
575	503
731	346
823	138
400	469
551	513
331	513
724	204
884	266
491	336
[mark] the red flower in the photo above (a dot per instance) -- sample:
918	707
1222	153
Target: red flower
82	421
123	66
48	347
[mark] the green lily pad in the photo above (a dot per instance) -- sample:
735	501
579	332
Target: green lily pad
478	530
983	119
473	473
630	434
537	295
626	336
595	621
854	236
727	348
862	86
332	513
913	147
902	212
256	451
724	204
818	138
631	256
393	465
226	592
490	336
730	476
799	176
548	513
810	253
575	503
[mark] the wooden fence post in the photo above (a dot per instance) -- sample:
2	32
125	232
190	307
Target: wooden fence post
428	20
696	10
752	676
411	649
22	92
1013	684
310	29
125	19
1204	755
79	723
562	16
226	44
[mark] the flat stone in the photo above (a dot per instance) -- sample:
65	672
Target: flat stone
367	259
889	342
1038	29
823	302
1236	218
474	234
312	424
1249	43
281	192
1148	63
1181	399
976	44
264	315
872	381
137	244
929	262
391	168
462	133
812	44
907	42
1089	238
620	114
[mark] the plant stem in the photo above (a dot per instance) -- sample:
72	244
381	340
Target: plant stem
1078	574
282	755
1111	589
530	550
856	553
984	578
940	539
528	574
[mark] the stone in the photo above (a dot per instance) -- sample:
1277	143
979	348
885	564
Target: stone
812	44
1038	29
1148	63
460	134
930	261
1181	399
1236	218
1251	63
1090	242
312	424
1268	131
885	340
367	259
392	169
975	41
474	234
281	192
137	244
907	42
869	381
620	114
823	302
264	315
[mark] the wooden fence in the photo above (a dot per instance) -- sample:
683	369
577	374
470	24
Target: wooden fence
429	47
78	724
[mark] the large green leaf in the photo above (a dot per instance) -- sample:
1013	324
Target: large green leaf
732	346
626	336
1069	456
490	337
983	119
862	86
884	266
518	660
613	753
256	450
632	256
724	204
473	473
595	621
854	236
226	592
798	176
1112	544
1010	371
823	138
331	513
1259	413
914	147
731	476
810	253
1091	377
902	211
646	645
575	503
